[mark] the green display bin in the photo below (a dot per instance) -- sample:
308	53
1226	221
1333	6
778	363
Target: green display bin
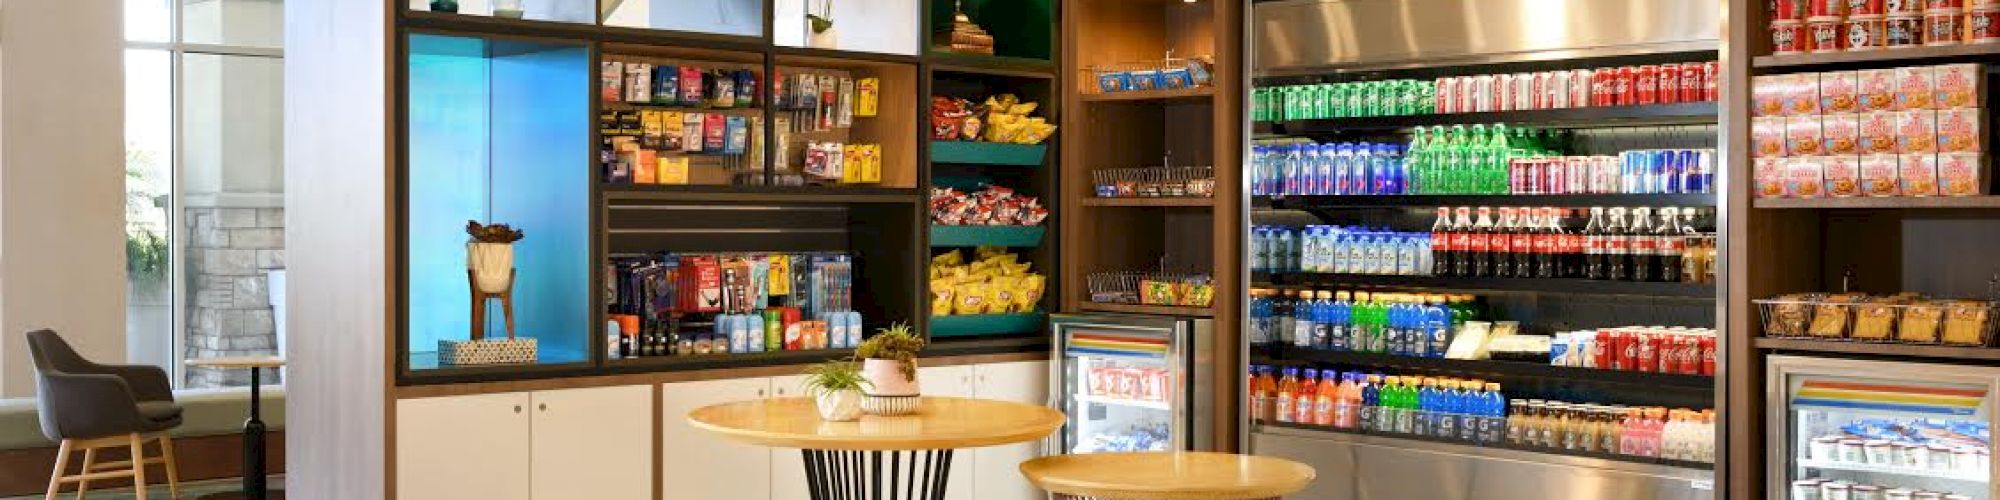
987	324
973	236
988	153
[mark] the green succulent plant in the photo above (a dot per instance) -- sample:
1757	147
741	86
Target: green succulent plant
834	376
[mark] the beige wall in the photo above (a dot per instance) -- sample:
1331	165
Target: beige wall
62	184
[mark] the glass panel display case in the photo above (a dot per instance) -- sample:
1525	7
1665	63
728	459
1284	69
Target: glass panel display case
1867	429
568	11
722	17
883	26
1128	382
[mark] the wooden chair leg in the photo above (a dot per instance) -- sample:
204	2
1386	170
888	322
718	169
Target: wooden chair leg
138	467
83	484
173	467
62	462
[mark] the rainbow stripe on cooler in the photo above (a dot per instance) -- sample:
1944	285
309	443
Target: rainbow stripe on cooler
1115	345
1889	398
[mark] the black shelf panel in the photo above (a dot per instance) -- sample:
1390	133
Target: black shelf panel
1500	445
1693	113
1012	67
488	25
1533	285
1501	200
1490	368
717	361
763	194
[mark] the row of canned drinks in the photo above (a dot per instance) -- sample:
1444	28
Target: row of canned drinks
1577	88
1641	171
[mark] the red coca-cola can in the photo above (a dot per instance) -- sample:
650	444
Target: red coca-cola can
1541	98
1503	95
1710	87
1553	181
1603	351
1603	83
1690	84
1708	355
1670	84
1648	359
1865	8
1646	84
1690	355
1626	88
1441	96
1580	89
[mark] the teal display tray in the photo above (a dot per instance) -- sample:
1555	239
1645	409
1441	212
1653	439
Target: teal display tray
988	153
987	324
973	236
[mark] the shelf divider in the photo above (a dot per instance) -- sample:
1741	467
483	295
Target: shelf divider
1692	113
1936	352
1537	285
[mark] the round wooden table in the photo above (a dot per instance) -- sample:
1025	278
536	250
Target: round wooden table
253	429
903	457
1167	476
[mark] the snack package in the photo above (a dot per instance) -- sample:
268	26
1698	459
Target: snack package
942	294
1839	92
1960	86
645	167
1030	295
611	81
1916	88
1767	137
1918	174
1876	89
1801	94
1878	132
651	128
691	85
1875	319
1841	133
972	299
1843	175
1789	315
692	131
1966	322
1916	131
1830	315
1003	290
1920	322
1768	173
1767	95
867	97
1804	177
1961	130
1803	136
1879	176
1962	174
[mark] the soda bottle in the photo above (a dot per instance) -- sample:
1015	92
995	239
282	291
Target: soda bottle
1371	401
1461	242
1617	246
1288	389
1642	247
1542	240
1504	253
1481	245
1525	234
1323	399
1595	265
1305	397
1413	161
1347	401
1670	241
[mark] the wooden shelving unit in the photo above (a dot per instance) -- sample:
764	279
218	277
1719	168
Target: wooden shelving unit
1165	96
1149	202
1947	353
1148	309
1880	203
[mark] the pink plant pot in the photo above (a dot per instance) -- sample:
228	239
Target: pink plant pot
885	378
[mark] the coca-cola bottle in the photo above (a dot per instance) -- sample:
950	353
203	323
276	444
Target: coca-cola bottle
1502	244
1594	266
1670	240
1481	249
1617	246
1572	245
1441	240
1547	239
1524	242
1641	246
1461	242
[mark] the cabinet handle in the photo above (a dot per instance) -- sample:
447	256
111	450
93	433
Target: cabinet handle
517	408
543	407
760	393
781	391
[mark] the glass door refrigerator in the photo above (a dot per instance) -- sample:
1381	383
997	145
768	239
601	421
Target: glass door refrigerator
1133	382
1873	429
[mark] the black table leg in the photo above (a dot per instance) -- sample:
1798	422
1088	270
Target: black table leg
253	441
858	475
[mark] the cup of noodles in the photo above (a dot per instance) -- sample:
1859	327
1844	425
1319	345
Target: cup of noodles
1904	32
1864	8
1788	10
1825	8
1903	7
1931	5
1982	25
1824	34
1866	32
1941	27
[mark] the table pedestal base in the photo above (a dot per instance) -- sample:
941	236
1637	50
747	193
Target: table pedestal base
877	475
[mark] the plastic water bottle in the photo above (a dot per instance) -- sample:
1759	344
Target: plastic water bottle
1302	321
1326	172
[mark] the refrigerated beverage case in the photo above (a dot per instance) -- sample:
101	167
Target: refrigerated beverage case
1617	246
1645	264
1594	236
1481	244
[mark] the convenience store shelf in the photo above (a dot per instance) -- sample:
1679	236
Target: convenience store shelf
999	236
1489	368
979	64
1881	58
1954	475
1502	200
1943	352
1167	96
1115	401
1693	113
762	194
1148	309
1182	201
1536	285
1496	449
1896	202
732	360
970	325
988	153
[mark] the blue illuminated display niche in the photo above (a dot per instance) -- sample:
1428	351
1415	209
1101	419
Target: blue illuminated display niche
499	132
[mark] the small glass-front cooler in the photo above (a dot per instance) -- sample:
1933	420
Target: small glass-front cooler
1880	430
1128	382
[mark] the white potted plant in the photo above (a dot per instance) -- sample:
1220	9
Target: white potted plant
819	26
889	363
489	254
836	389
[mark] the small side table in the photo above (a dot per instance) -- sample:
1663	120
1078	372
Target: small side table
253	429
1167	476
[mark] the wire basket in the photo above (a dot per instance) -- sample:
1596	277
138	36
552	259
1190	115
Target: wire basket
1154	182
1151	288
1171	73
1878	319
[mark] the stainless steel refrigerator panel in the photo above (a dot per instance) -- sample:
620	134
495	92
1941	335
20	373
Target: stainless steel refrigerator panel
1356	467
1304	35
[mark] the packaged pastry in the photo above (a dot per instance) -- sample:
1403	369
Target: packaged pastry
1966	322
1875	319
1961	130
1839	92
1876	89
1916	88
1879	177
1878	132
1920	322
1841	134
1801	94
1918	174
1804	177
1767	135
1803	136
1788	315
1843	176
1961	174
1916	131
1830	317
1769	176
1960	85
1767	94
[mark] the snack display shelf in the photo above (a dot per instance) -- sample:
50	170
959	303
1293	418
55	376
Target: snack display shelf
988	153
977	64
479	24
975	236
1117	401
739	110
1944	352
986	324
1176	201
1879	58
1694	113
762	194
1298	202
727	360
1169	96
1955	475
1292	428
1538	285
1148	309
1909	202
1474	368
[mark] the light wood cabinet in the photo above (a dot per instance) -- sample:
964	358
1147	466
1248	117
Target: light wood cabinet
463	447
996	470
699	465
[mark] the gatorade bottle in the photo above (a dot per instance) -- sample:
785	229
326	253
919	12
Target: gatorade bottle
1322	312
1371	400
1437	326
1390	404
1288	387
1268	383
1303	400
1472	410
1451	409
1325	400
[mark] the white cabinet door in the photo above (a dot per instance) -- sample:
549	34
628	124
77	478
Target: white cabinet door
593	443
788	467
463	447
698	465
953	381
997	470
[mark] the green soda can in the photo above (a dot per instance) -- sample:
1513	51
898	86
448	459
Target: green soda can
1336	97
1412	96
774	330
1357	100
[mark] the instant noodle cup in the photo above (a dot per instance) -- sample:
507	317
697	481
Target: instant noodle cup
1876	89
1867	32
1961	174
1789	37
1935	5
1843	175
1959	85
1865	8
1916	131
1768	175
1788	9
1801	94
1878	132
1878	176
1827	34
1839	92
1803	136
1918	173
1804	177
1767	137
1903	7
1943	27
1841	134
1825	8
1982	25
1767	95
1916	88
1904	32
1961	130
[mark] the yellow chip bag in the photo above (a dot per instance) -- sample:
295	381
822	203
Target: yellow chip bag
951	258
942	292
1031	292
1004	289
971	299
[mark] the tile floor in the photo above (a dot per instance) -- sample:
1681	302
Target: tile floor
189	490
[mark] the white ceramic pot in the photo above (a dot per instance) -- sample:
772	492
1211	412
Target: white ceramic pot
839	406
829	39
885	378
510	9
492	265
